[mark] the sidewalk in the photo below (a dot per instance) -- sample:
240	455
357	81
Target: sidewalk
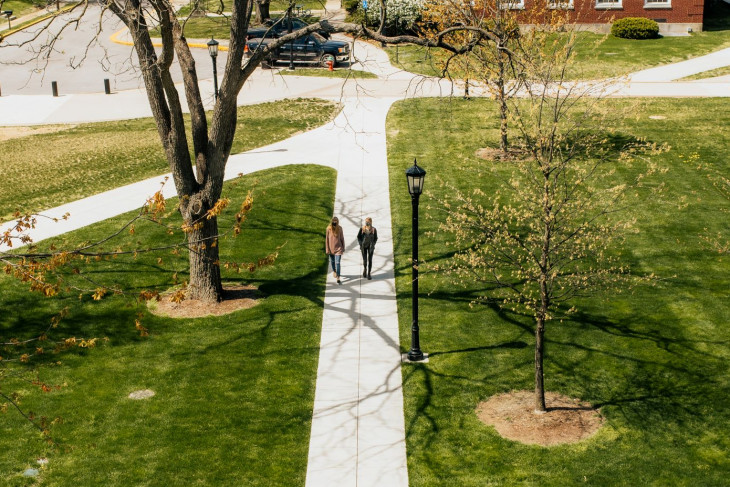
358	432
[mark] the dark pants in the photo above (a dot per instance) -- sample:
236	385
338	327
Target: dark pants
367	257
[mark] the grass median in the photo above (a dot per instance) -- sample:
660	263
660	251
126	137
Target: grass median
654	360
234	394
87	159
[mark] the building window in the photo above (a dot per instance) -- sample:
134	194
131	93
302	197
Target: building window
560	4
609	4
657	3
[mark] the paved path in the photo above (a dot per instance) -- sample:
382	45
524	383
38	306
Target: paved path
357	436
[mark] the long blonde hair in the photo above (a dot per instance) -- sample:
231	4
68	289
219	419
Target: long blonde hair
366	228
332	229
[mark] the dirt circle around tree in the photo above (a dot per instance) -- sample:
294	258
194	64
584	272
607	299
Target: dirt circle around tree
235	297
567	420
498	155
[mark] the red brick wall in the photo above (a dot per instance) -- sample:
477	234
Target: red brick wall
585	11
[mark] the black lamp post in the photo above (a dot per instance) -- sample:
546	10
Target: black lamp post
291	44
415	175
213	51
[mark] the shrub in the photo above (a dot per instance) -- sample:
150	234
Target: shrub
351	5
402	14
635	28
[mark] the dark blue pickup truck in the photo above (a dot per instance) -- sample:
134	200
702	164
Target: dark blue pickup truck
277	27
310	49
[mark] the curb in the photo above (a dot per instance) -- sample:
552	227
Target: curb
115	39
38	20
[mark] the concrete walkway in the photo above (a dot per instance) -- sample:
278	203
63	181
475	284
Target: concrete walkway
358	435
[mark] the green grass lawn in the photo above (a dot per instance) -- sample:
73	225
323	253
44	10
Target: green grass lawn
326	73
275	6
708	74
87	159
654	360
234	394
19	8
219	27
613	56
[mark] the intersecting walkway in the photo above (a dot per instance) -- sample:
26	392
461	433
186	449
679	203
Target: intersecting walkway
357	435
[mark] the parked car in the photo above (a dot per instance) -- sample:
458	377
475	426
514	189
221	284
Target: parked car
278	27
310	49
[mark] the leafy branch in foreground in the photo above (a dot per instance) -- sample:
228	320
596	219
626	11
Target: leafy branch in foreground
51	271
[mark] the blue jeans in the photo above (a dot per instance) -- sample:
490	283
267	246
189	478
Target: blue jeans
335	263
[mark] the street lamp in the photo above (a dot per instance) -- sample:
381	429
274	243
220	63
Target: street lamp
415	175
291	44
213	51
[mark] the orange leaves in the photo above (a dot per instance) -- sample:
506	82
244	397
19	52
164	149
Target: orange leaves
252	266
99	293
218	208
145	296
91	343
156	204
143	332
178	296
242	212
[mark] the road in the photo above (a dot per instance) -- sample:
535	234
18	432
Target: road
87	43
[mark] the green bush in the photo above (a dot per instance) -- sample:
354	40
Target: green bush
635	28
351	6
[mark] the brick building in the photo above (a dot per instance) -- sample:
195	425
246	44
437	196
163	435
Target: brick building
673	16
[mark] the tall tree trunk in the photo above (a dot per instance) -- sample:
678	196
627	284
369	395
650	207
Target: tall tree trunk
205	273
539	379
503	110
262	10
544	306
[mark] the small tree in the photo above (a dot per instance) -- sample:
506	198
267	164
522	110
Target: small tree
547	235
495	64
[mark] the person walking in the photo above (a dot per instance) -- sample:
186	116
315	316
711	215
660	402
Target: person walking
366	237
334	244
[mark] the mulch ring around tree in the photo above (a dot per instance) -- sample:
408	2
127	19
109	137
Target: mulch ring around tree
235	297
498	155
567	420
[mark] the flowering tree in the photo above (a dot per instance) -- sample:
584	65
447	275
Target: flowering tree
393	15
549	233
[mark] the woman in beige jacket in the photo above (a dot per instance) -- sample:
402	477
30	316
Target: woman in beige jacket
334	244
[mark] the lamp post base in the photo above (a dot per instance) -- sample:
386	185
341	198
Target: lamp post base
406	359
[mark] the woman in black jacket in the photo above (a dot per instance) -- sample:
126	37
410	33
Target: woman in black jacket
366	237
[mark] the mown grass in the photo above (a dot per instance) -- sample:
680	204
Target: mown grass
326	73
234	394
599	56
87	159
707	74
275	5
219	27
654	360
19	8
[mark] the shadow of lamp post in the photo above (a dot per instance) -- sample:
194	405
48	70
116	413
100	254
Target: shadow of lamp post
415	176
213	51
